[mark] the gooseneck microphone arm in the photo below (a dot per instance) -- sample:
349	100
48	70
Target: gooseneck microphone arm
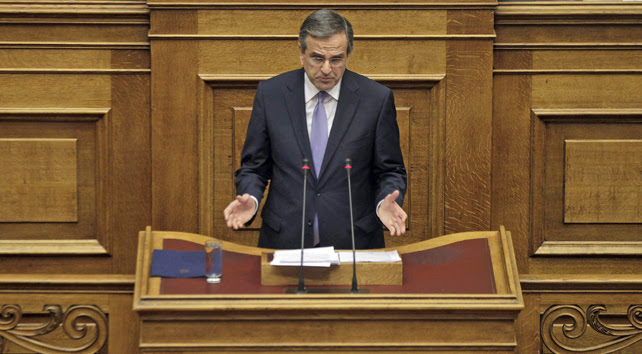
305	168
355	288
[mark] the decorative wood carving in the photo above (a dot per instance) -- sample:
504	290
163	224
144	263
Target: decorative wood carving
84	325
573	321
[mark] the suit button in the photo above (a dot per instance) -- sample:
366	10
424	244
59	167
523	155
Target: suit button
309	222
318	194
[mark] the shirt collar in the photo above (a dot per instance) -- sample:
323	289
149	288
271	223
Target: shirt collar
310	90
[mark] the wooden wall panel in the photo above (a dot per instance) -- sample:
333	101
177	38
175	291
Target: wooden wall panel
38	180
552	234
608	59
36	234
174	136
131	163
567	119
75	95
571	90
286	22
552	33
73	32
511	157
214	56
371	56
602	181
47	90
227	123
588	90
40	58
490	132
468	136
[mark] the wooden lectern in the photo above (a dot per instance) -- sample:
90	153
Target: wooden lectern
460	292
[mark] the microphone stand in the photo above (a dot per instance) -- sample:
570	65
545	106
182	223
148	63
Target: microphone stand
305	168
355	288
302	289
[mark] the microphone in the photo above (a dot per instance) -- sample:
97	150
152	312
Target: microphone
355	288
305	168
302	289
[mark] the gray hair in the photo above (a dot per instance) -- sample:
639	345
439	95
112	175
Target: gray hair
325	24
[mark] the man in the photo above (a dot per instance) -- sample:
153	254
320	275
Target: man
326	114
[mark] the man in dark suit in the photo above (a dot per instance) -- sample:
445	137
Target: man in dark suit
326	114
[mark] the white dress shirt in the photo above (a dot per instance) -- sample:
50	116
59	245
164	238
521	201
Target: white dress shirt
311	98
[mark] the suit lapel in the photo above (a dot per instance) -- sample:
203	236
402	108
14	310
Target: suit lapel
295	103
346	108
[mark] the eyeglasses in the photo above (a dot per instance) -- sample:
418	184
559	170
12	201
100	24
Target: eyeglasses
319	61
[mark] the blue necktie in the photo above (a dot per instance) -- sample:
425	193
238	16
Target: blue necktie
318	143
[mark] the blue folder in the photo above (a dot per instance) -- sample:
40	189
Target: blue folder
178	264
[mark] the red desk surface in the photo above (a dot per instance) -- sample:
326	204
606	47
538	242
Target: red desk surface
459	268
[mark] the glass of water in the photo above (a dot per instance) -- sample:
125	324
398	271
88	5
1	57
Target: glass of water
213	261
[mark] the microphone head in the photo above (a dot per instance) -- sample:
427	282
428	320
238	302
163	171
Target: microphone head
348	163
306	163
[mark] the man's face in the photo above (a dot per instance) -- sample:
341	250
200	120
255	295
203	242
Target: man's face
325	59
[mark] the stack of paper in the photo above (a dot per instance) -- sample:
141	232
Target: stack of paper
312	257
370	256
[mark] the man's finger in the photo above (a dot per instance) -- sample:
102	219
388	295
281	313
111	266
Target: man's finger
390	197
392	229
393	196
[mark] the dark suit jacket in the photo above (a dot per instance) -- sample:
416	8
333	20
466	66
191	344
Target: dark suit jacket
364	129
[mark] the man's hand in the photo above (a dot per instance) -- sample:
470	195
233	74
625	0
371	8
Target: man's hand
239	211
392	216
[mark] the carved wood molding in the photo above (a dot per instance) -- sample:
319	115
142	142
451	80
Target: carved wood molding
339	6
563	326
566	46
566	71
84	325
595	115
58	283
542	13
580	283
75	45
105	12
292	37
73	71
252	80
29	247
602	248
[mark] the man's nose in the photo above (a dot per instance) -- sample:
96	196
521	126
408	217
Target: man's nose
326	68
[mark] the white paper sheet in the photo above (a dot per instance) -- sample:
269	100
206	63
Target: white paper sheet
370	256
312	257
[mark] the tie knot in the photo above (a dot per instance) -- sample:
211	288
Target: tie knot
322	95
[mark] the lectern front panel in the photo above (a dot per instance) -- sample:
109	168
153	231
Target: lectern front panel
462	267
